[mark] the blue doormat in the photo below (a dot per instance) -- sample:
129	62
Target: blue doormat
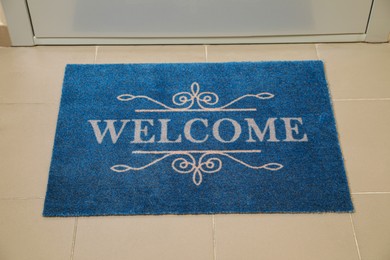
198	138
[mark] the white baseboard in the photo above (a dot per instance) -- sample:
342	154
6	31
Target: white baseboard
205	40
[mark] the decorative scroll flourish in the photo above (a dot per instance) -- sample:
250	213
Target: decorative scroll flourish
186	163
185	101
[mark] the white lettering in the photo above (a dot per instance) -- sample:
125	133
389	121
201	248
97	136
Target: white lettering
290	130
109	127
197	130
164	132
187	130
138	130
237	130
269	126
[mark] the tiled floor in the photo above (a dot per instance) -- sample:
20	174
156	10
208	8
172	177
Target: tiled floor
30	87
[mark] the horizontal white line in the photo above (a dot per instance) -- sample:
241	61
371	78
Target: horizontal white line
194	110
199	40
361	99
197	151
22	198
370	192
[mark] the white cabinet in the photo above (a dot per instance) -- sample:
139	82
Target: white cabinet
197	18
194	21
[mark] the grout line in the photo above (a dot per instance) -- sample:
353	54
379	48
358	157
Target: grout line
28	103
354	235
206	53
370	192
214	239
96	52
361	99
23	198
74	238
318	54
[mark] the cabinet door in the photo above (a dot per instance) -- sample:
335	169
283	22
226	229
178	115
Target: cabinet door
197	18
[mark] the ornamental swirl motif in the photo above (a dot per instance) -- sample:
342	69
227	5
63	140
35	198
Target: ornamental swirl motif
186	163
185	101
209	161
197	168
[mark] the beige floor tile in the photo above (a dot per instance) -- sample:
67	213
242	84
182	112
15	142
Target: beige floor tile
372	225
26	141
144	237
34	74
38	59
31	87
219	53
150	54
357	70
364	128
26	235
276	236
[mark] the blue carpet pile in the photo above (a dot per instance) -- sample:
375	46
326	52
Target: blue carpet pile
198	138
